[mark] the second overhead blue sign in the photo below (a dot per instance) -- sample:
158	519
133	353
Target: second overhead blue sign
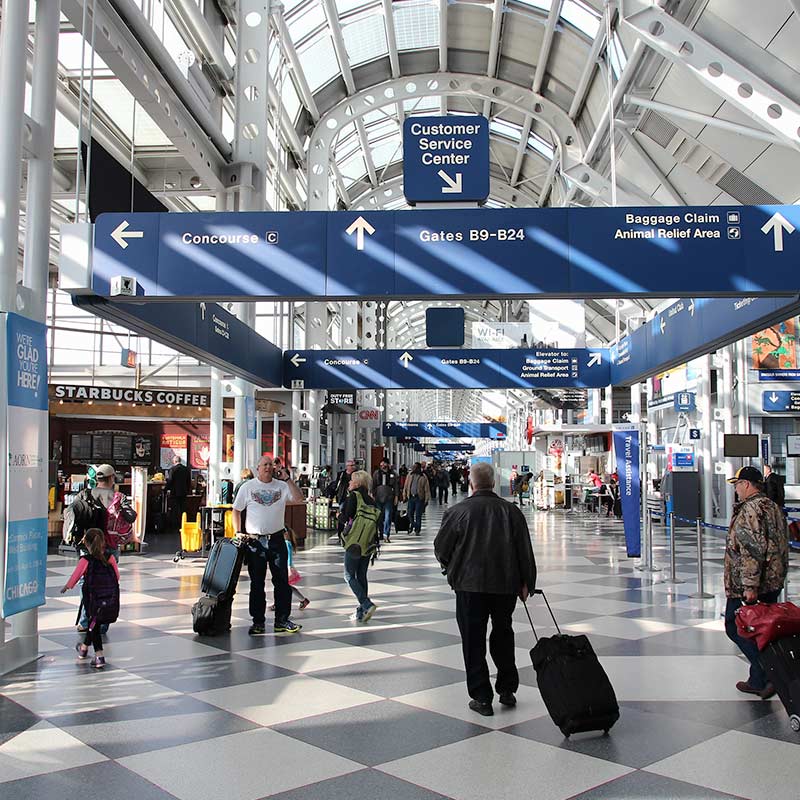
446	159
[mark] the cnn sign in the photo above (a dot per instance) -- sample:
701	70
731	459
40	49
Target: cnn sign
369	417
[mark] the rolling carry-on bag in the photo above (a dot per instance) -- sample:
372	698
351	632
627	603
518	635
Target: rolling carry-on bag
781	662
401	521
222	569
574	686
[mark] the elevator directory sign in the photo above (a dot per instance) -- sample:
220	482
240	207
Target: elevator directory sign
446	159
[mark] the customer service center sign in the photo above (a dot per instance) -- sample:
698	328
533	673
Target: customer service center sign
25	349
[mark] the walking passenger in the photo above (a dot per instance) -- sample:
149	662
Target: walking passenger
756	562
384	484
358	530
417	492
485	548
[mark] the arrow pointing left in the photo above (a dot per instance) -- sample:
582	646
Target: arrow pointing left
662	324
297	360
121	233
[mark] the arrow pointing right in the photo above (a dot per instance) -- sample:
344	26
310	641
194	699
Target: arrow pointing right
777	223
297	360
595	359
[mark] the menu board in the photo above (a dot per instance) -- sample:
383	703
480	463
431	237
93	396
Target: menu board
122	450
102	448
80	448
142	451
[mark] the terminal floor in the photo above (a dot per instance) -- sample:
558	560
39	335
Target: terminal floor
380	710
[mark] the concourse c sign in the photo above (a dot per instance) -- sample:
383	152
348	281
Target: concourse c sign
446	159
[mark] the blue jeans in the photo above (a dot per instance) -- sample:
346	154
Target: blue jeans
416	505
758	678
268	552
385	524
355	576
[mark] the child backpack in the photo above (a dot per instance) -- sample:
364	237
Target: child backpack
119	530
100	593
364	529
85	512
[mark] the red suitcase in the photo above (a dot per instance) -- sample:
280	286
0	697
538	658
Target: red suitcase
767	622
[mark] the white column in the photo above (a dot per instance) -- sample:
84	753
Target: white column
313	430
349	436
706	466
296	429
275	433
215	437
636	403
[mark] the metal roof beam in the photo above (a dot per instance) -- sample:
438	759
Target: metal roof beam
443	50
494	48
332	15
210	48
287	45
715	69
651	167
582	89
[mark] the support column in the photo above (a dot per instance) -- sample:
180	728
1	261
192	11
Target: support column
720	427
215	438
349	436
275	434
706	466
636	403
295	429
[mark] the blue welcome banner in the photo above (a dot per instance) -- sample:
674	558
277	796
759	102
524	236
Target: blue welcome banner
626	449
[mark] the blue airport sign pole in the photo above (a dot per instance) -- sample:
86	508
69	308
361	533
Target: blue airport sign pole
446	159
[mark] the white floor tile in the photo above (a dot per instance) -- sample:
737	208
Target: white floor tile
242	766
284	699
159	650
581	589
309	656
528	769
41	750
597	605
747	766
621	627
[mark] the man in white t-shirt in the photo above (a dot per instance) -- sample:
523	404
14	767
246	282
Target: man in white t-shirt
264	499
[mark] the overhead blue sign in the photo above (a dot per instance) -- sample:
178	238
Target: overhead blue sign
454	447
446	369
626	450
779	375
596	252
780	401
442	430
205	331
684	401
446	159
691	327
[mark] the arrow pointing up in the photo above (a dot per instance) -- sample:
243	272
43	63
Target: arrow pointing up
691	306
202	310
777	223
595	359
406	358
121	233
358	226
453	186
297	360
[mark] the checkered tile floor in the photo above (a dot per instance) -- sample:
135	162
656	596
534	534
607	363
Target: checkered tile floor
380	710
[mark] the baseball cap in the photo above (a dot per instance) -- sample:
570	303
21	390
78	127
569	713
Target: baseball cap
104	471
747	474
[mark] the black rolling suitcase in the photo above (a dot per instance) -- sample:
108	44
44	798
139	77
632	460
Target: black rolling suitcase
574	686
211	614
781	661
401	521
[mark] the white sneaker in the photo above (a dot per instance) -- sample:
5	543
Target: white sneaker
356	616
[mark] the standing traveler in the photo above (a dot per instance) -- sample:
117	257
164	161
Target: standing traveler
485	548
358	530
417	492
773	486
264	501
522	486
245	475
179	485
343	481
455	478
756	562
100	592
443	484
386	490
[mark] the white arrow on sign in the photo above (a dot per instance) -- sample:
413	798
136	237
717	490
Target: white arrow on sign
774	398
358	226
453	186
662	325
595	359
121	233
202	311
297	360
777	223
406	358
691	306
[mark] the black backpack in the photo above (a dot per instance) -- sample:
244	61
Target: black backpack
85	512
100	593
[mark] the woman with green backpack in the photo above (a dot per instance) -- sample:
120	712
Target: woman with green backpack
358	532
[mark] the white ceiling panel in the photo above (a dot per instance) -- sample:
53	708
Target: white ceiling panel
630	165
759	22
739	151
696	190
724	199
784	45
680	88
778	171
567	58
522	41
469	27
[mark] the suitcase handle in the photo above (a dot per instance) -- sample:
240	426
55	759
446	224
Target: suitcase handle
539	591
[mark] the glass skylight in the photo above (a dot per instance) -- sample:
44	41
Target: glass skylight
305	20
117	102
416	24
506	129
542	146
582	16
365	39
319	62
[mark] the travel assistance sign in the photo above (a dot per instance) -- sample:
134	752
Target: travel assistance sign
445	159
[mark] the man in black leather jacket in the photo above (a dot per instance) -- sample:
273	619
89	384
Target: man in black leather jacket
485	549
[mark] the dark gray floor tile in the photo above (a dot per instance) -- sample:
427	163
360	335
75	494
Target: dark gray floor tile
626	743
360	733
697	641
774	725
105	781
730	714
646	786
118	632
142	727
391	677
14	719
637	647
213	672
367	784
399	640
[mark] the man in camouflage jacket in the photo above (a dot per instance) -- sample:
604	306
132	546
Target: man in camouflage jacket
756	561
